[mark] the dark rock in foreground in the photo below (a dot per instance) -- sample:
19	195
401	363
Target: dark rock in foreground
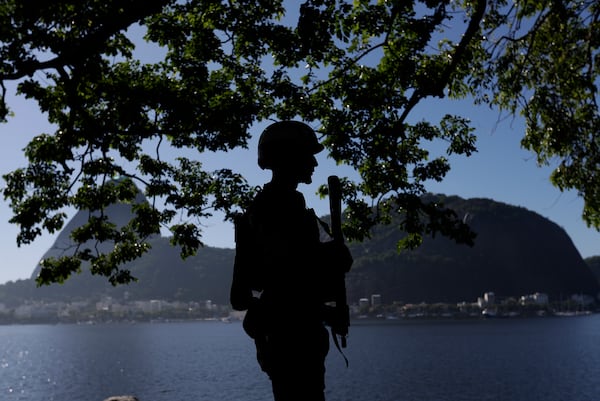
122	398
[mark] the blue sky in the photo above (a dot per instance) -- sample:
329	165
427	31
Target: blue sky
500	170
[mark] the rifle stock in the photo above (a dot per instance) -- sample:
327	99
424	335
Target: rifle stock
341	303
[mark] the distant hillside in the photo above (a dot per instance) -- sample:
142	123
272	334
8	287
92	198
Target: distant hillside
161	275
594	264
119	214
517	252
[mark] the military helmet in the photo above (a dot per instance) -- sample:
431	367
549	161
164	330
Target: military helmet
284	139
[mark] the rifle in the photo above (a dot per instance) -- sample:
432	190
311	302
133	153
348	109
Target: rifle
342	312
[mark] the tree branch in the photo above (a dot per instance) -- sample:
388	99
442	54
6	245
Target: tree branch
438	88
83	47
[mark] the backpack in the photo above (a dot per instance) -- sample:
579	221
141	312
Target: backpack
246	275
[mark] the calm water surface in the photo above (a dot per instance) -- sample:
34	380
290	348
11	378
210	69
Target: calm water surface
549	359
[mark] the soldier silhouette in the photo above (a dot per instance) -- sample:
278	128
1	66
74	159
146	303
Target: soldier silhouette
282	269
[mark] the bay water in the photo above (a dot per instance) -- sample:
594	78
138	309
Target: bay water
545	359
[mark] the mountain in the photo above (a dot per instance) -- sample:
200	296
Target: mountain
516	252
161	274
594	263
118	213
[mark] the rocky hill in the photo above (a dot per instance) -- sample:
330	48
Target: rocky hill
161	274
517	252
594	264
119	214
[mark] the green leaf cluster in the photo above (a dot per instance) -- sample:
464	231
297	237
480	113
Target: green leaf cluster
354	69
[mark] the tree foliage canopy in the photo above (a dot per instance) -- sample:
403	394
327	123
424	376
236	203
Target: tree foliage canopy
356	69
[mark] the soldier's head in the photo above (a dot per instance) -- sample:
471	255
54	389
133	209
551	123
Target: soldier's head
289	147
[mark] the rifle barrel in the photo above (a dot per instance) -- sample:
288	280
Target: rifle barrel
335	206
